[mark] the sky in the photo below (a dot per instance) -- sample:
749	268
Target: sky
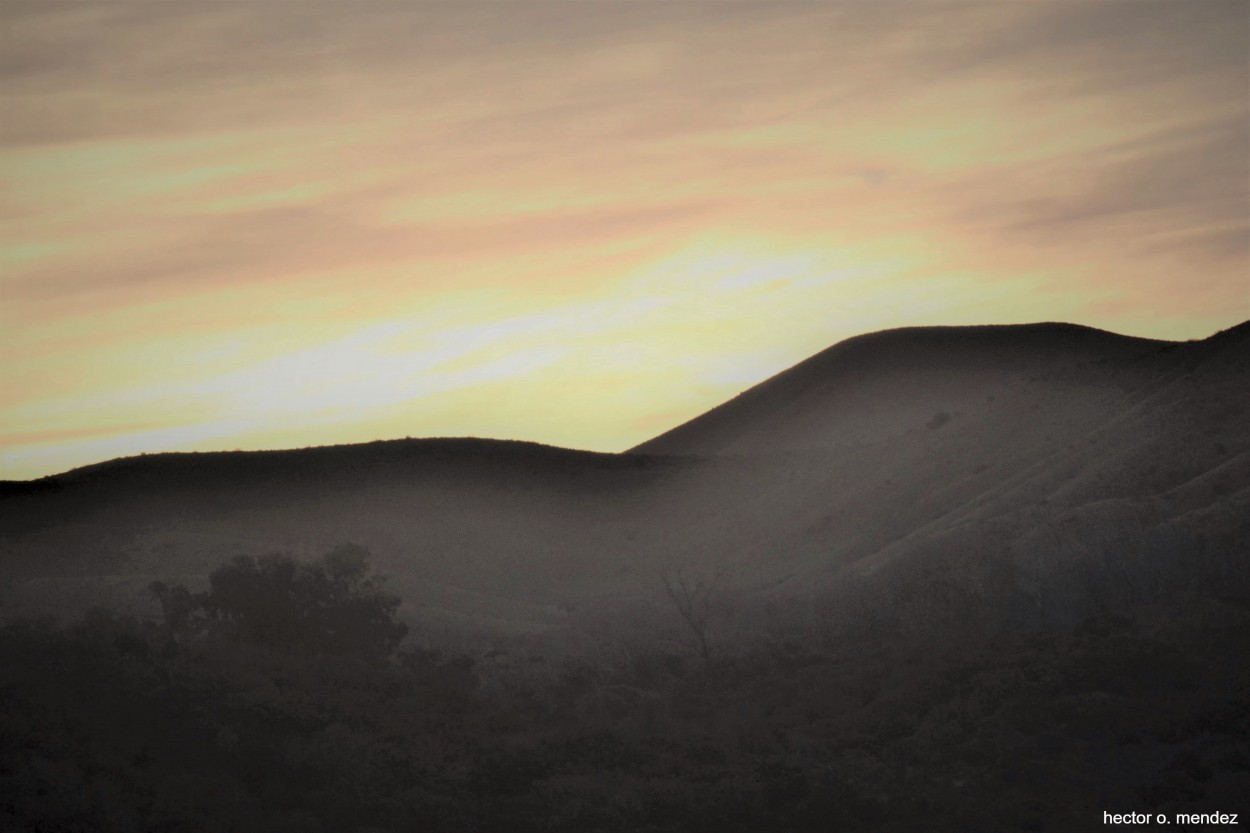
276	223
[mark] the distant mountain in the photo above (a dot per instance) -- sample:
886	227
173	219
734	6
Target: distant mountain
1027	476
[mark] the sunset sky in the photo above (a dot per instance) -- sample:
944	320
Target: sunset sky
279	224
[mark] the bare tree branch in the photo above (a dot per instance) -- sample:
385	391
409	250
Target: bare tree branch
693	601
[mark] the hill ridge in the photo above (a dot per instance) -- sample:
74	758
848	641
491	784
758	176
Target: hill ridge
662	444
929	350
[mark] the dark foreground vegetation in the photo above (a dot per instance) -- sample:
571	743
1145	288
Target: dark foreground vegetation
284	699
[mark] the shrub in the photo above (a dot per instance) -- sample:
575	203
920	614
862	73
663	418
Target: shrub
334	605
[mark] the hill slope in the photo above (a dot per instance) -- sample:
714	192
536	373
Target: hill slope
882	385
1037	471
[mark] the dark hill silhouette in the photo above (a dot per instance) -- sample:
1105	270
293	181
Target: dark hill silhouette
989	578
232	477
868	386
971	435
900	473
449	517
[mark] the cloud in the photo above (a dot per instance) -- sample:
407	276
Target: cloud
1110	45
45	437
1190	181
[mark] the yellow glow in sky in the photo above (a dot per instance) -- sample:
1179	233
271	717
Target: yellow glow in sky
258	225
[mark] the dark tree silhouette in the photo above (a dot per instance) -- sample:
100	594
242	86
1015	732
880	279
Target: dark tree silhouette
693	599
178	605
334	605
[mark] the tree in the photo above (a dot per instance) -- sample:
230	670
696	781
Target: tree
334	605
693	599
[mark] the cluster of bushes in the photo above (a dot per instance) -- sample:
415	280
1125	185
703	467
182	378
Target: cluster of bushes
283	699
332	606
267	703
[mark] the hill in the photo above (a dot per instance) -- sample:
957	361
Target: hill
1006	461
950	579
984	453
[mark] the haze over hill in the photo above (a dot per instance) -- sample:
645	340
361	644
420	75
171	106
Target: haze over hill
1030	475
953	579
